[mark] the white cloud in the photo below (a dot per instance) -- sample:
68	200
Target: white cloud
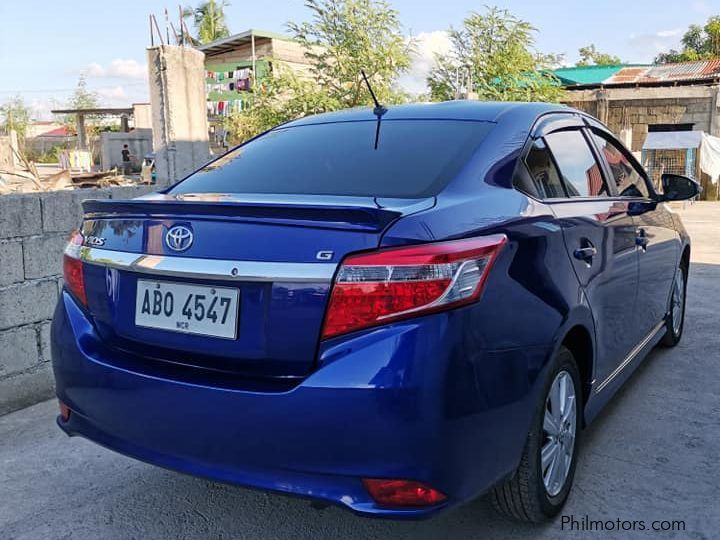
129	69
122	95
427	45
117	69
645	47
93	70
112	93
41	108
663	34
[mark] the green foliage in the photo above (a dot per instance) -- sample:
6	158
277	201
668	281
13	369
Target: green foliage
699	43
493	56
15	116
209	19
281	97
52	155
342	38
590	56
82	98
347	36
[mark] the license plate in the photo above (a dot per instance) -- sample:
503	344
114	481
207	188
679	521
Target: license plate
190	309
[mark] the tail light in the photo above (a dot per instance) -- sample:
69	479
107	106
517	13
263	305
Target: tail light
391	284
73	268
402	493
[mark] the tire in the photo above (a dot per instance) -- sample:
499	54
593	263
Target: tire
525	496
675	321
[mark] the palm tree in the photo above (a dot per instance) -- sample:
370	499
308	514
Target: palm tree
209	18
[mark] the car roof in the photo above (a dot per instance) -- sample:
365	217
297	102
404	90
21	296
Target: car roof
487	111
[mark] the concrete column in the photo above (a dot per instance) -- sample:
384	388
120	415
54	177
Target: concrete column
715	111
626	133
602	106
14	149
81	132
179	116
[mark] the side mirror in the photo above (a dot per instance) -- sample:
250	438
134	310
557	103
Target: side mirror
678	188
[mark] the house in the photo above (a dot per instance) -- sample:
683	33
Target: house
236	64
635	100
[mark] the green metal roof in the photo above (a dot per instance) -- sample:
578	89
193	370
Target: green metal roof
576	75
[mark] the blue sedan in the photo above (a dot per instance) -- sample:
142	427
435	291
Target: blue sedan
394	313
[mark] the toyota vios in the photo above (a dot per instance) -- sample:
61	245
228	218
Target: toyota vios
390	312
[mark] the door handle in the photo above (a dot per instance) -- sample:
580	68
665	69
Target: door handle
585	253
641	239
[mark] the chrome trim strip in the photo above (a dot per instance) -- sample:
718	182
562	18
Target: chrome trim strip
630	357
213	269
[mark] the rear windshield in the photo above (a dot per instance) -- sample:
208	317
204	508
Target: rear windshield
413	159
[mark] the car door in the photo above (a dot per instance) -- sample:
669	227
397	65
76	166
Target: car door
658	241
599	235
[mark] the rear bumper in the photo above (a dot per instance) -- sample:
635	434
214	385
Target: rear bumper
411	401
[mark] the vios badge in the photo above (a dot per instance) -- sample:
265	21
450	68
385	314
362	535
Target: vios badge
179	238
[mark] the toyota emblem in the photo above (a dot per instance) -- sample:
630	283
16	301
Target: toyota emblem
179	238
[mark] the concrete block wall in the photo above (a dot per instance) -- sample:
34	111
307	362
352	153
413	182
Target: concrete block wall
139	141
33	231
641	107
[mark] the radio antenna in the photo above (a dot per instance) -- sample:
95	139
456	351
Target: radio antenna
378	111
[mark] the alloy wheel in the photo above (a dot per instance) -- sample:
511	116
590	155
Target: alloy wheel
678	301
559	428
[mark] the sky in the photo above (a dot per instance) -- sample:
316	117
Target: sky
45	45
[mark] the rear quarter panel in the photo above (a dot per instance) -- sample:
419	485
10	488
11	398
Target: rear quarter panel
531	300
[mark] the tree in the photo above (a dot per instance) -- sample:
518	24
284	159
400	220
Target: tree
82	98
209	19
282	97
590	56
699	43
493	56
15	116
342	38
347	36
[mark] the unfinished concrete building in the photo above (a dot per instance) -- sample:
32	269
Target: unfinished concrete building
236	64
636	100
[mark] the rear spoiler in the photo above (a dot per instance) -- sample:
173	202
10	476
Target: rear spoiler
359	216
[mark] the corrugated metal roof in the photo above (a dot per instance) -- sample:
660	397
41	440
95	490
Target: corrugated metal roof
639	74
683	71
57	132
586	74
629	75
712	67
232	42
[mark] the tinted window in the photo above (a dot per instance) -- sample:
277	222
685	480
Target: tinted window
414	158
543	173
578	167
628	179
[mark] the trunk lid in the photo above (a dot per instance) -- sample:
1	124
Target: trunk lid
275	256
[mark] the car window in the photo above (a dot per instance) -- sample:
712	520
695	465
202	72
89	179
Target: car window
579	169
629	181
413	159
544	176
